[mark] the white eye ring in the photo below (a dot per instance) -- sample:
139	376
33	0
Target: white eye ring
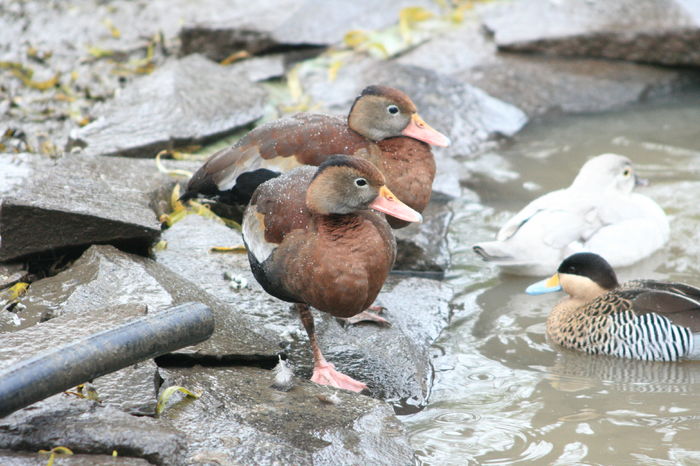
360	182
392	109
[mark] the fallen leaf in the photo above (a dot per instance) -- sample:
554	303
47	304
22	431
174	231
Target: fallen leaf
169	392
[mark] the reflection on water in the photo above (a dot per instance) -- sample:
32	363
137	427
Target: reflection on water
502	394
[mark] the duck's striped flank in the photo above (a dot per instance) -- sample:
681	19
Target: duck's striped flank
650	337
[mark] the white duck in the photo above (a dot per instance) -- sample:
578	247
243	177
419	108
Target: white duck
598	213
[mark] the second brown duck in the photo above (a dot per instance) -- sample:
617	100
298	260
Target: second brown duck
383	126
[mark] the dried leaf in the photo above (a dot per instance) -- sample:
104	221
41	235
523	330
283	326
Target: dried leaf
169	392
240	55
333	69
174	172
55	451
236	249
355	38
409	17
116	33
98	52
16	290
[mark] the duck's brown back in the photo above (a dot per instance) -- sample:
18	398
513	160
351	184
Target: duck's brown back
302	139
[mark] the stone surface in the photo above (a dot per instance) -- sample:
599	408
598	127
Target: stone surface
288	23
394	362
106	276
186	101
12	458
423	247
653	31
542	85
89	428
256	424
132	389
76	201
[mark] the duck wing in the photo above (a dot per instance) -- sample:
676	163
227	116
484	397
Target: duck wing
278	146
668	300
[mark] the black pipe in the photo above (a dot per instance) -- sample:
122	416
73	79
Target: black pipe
57	370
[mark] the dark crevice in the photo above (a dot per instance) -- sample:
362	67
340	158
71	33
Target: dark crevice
174	360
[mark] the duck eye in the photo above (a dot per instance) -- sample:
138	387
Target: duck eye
393	109
626	172
361	182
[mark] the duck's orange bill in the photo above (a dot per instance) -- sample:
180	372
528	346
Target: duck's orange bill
419	129
389	204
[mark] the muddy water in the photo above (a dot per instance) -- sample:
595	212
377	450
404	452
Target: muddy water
502	394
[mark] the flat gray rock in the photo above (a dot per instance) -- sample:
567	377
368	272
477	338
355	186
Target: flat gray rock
186	101
394	362
89	428
132	389
261	26
542	85
653	31
106	276
423	247
256	424
76	201
13	458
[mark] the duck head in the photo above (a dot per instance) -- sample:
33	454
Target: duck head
344	184
382	112
608	172
583	275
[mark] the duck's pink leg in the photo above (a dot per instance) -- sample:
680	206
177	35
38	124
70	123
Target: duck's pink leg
324	372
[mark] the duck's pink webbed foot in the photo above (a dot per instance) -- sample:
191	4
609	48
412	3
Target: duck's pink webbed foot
367	316
325	374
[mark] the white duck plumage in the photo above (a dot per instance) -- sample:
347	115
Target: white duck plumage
598	213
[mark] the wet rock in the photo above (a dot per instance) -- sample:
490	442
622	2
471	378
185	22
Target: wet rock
540	85
664	32
423	247
88	428
186	101
76	201
393	361
467	115
256	424
106	276
132	389
13	458
11	274
259	27
462	48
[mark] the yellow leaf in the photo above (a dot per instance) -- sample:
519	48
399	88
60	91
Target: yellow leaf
114	453
17	290
236	249
112	28
235	56
355	38
99	53
175	172
169	392
333	69
161	245
408	17
55	451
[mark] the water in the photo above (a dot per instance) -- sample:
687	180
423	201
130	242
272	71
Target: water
501	393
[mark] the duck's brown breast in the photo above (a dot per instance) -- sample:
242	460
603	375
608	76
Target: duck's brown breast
409	168
340	264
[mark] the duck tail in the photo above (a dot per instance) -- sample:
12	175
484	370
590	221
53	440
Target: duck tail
492	251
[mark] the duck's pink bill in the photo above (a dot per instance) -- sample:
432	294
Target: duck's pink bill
389	204
419	129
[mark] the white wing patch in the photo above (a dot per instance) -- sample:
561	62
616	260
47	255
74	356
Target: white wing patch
254	235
